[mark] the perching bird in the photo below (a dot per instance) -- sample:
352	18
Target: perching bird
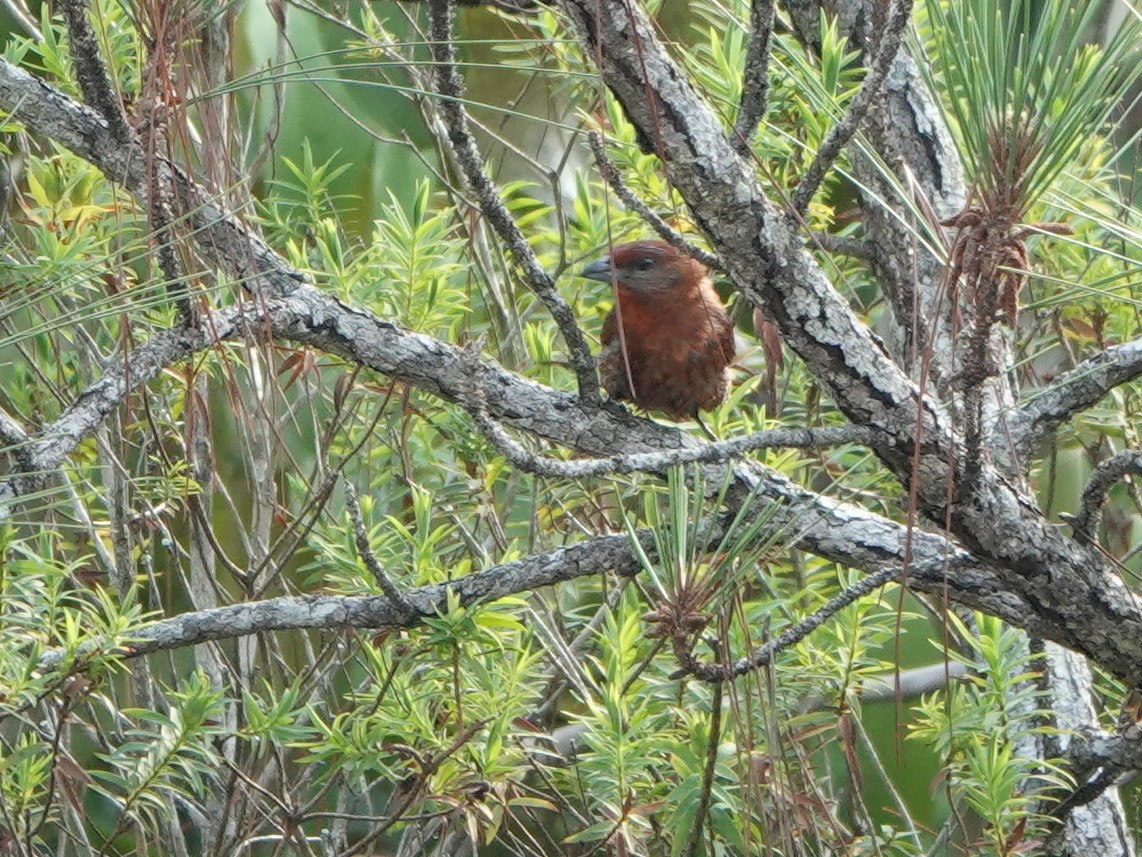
668	343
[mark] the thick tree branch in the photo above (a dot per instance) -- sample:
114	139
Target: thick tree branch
1095	822
901	214
612	554
1096	750
606	554
901	217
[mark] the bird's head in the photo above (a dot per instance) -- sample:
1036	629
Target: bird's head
646	267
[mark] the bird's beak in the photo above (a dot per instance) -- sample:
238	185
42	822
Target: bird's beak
600	269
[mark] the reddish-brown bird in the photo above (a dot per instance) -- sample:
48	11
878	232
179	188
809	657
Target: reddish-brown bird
668	343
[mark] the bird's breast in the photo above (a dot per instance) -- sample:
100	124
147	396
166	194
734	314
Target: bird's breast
672	354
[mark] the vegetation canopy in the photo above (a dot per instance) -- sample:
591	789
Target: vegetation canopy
318	535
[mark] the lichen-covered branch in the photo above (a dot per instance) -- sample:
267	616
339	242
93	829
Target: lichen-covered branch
755	77
612	554
1086	520
220	232
91	70
1072	393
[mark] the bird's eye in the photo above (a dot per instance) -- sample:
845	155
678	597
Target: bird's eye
645	263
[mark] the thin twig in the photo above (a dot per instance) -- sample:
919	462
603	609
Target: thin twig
406	798
842	245
643	462
1085	523
614	179
450	88
839	135
910	828
153	114
273	123
559	682
755	76
160	214
365	551
763	655
707	774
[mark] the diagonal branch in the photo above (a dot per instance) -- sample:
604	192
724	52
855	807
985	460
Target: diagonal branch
48	451
908	179
1071	393
365	552
764	654
467	153
222	236
840	134
91	71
